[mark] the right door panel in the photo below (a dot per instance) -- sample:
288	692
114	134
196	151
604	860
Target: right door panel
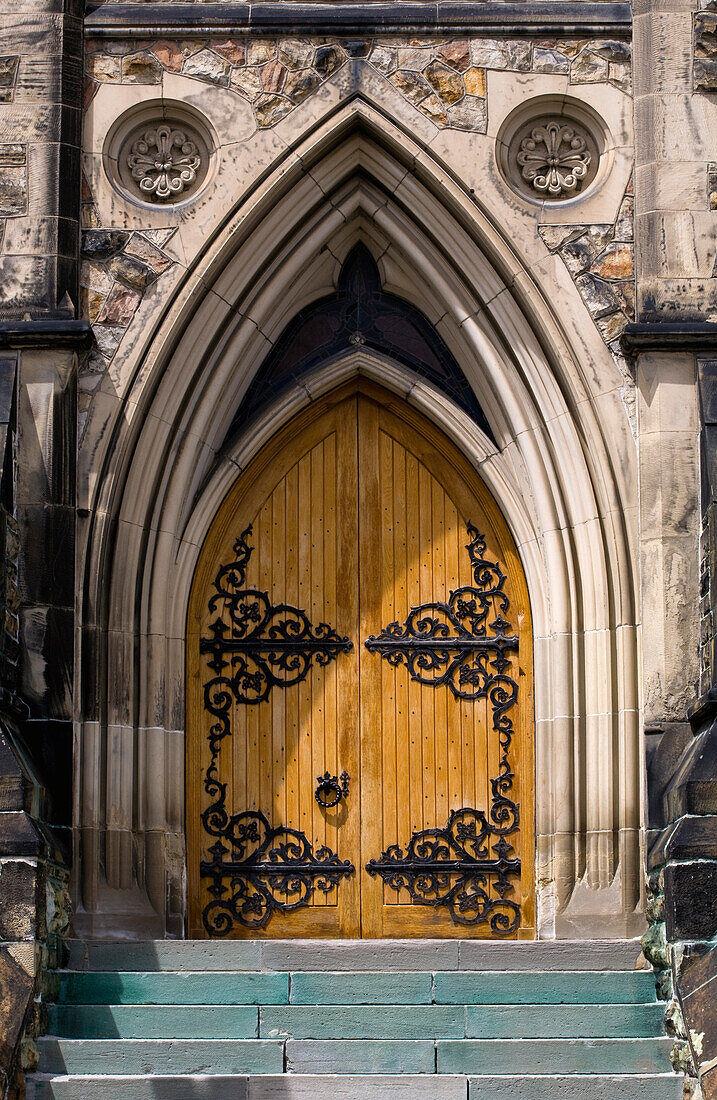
445	692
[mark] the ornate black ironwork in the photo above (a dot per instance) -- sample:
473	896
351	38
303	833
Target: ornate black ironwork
255	647
452	867
331	789
462	644
448	643
266	646
268	870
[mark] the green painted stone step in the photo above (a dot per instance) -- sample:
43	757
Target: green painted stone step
164	1056
363	1022
343	987
368	1056
361	1056
123	987
153	1021
628	1021
356	987
487	987
355	1021
535	1056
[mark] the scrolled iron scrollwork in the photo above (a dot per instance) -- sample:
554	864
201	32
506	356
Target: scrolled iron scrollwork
268	870
263	645
453	643
463	644
453	868
254	647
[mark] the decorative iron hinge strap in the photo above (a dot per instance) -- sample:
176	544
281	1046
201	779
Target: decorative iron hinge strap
382	644
253	644
276	870
386	867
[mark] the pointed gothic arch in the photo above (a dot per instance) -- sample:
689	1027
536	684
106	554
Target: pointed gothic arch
163	443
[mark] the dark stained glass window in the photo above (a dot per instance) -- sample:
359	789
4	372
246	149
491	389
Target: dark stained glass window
360	313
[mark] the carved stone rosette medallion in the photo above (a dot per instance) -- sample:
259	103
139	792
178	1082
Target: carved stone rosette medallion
552	149
160	152
554	158
164	161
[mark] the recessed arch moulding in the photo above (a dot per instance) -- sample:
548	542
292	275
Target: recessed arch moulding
157	457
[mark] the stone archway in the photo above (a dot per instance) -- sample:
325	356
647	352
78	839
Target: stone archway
166	456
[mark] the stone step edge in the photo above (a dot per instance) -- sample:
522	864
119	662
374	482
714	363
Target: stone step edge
614	956
356	1087
107	1078
402	1005
602	1040
64	972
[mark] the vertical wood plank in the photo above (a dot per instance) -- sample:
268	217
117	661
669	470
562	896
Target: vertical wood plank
395	767
306	809
452	581
427	694
317	615
291	705
369	667
349	815
278	699
440	697
332	717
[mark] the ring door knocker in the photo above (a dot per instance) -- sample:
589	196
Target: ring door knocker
331	790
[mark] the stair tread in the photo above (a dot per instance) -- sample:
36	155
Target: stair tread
315	954
385	1055
360	987
355	1021
356	1087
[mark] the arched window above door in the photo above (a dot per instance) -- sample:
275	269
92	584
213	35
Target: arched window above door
360	313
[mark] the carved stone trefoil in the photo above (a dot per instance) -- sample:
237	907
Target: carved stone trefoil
164	161
554	158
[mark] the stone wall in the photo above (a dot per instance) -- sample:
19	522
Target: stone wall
34	896
40	91
676	224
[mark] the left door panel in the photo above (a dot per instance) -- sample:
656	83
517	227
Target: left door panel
272	692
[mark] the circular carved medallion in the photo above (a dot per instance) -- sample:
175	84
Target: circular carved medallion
551	151
164	161
159	153
554	158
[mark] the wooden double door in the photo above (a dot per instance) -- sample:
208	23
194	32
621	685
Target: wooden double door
359	695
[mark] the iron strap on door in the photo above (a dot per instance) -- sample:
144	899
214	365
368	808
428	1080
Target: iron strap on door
453	644
261	647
